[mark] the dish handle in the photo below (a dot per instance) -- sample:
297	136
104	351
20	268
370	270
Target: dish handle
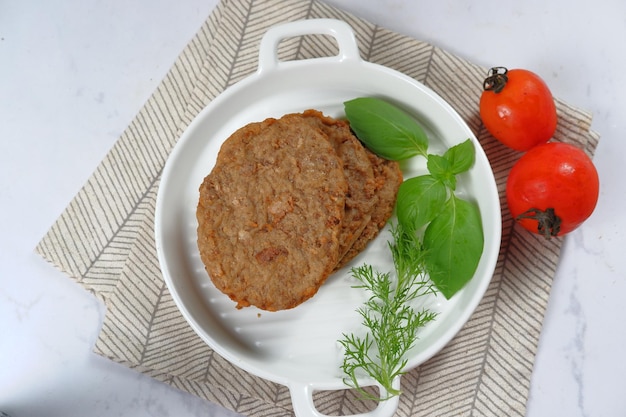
338	29
304	406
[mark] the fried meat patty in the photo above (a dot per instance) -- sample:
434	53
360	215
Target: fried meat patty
288	201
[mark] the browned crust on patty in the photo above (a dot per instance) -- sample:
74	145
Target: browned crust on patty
359	171
388	179
270	214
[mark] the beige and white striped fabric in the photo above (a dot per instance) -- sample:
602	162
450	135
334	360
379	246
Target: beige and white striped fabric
104	239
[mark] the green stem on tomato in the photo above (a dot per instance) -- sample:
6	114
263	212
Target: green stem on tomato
548	223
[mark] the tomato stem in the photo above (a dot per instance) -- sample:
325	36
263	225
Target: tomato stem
549	224
496	79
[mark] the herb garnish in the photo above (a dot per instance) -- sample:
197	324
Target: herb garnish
388	315
436	246
451	227
385	129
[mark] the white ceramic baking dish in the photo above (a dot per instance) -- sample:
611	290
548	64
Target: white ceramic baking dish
298	347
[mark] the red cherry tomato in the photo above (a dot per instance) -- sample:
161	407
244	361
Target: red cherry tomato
552	189
517	108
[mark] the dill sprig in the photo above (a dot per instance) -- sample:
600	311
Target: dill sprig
391	321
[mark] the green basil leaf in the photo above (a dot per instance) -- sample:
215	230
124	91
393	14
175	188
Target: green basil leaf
385	129
461	157
440	168
454	244
419	200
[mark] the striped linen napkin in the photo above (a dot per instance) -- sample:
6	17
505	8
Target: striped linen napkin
105	238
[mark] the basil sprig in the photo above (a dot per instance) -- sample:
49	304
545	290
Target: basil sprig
385	129
454	243
427	205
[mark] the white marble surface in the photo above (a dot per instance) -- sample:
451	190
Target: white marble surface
74	73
